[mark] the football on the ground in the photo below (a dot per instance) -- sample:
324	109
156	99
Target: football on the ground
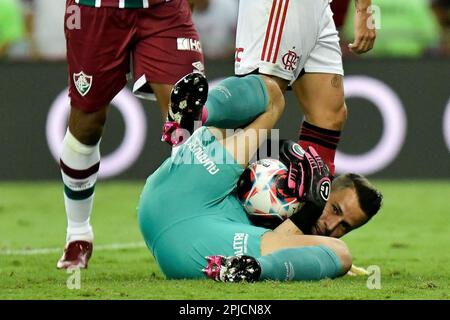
262	191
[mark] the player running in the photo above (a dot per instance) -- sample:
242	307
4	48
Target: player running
103	37
297	44
188	209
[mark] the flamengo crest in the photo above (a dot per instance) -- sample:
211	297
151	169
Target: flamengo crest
83	82
290	60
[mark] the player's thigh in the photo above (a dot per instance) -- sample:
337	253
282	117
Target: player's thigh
182	250
322	98
168	47
97	55
276	36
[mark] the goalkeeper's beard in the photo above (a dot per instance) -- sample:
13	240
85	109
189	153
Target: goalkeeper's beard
318	230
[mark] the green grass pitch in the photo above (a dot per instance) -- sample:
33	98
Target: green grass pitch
409	240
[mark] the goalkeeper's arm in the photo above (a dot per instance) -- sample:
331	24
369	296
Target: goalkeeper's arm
302	221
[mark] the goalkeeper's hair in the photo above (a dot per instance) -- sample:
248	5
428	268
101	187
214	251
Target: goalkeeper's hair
370	199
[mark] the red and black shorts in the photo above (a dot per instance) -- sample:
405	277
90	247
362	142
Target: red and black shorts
160	43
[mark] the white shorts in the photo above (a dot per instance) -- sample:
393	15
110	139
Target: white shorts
282	37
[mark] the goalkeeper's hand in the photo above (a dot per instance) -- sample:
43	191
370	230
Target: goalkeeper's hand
317	184
309	179
308	176
293	155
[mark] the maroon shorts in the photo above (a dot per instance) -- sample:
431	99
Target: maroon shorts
161	42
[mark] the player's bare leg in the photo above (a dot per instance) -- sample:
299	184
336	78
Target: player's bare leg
87	127
322	98
80	160
162	93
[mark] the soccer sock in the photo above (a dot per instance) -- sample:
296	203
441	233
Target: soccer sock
323	140
235	102
301	263
79	169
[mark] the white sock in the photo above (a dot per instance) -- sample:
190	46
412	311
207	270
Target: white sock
79	169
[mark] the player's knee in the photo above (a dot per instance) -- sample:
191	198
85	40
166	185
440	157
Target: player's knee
342	251
87	127
276	98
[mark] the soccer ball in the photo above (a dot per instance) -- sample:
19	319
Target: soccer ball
262	189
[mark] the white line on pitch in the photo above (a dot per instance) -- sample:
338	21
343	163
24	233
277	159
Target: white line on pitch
31	252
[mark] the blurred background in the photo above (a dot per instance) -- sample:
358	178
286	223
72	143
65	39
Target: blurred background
398	94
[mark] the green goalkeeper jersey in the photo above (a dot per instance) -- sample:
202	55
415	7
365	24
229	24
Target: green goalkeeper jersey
126	4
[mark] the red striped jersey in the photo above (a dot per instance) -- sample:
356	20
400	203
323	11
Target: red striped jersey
127	4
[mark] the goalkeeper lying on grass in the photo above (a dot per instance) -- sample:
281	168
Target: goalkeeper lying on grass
191	219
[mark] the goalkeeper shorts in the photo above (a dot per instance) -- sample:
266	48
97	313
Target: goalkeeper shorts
181	250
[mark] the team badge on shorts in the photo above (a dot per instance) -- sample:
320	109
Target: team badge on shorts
83	82
290	60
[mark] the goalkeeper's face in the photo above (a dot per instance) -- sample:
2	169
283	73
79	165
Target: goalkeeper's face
342	214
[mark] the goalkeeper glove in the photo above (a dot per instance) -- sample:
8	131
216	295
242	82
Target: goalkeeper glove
308	176
309	179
